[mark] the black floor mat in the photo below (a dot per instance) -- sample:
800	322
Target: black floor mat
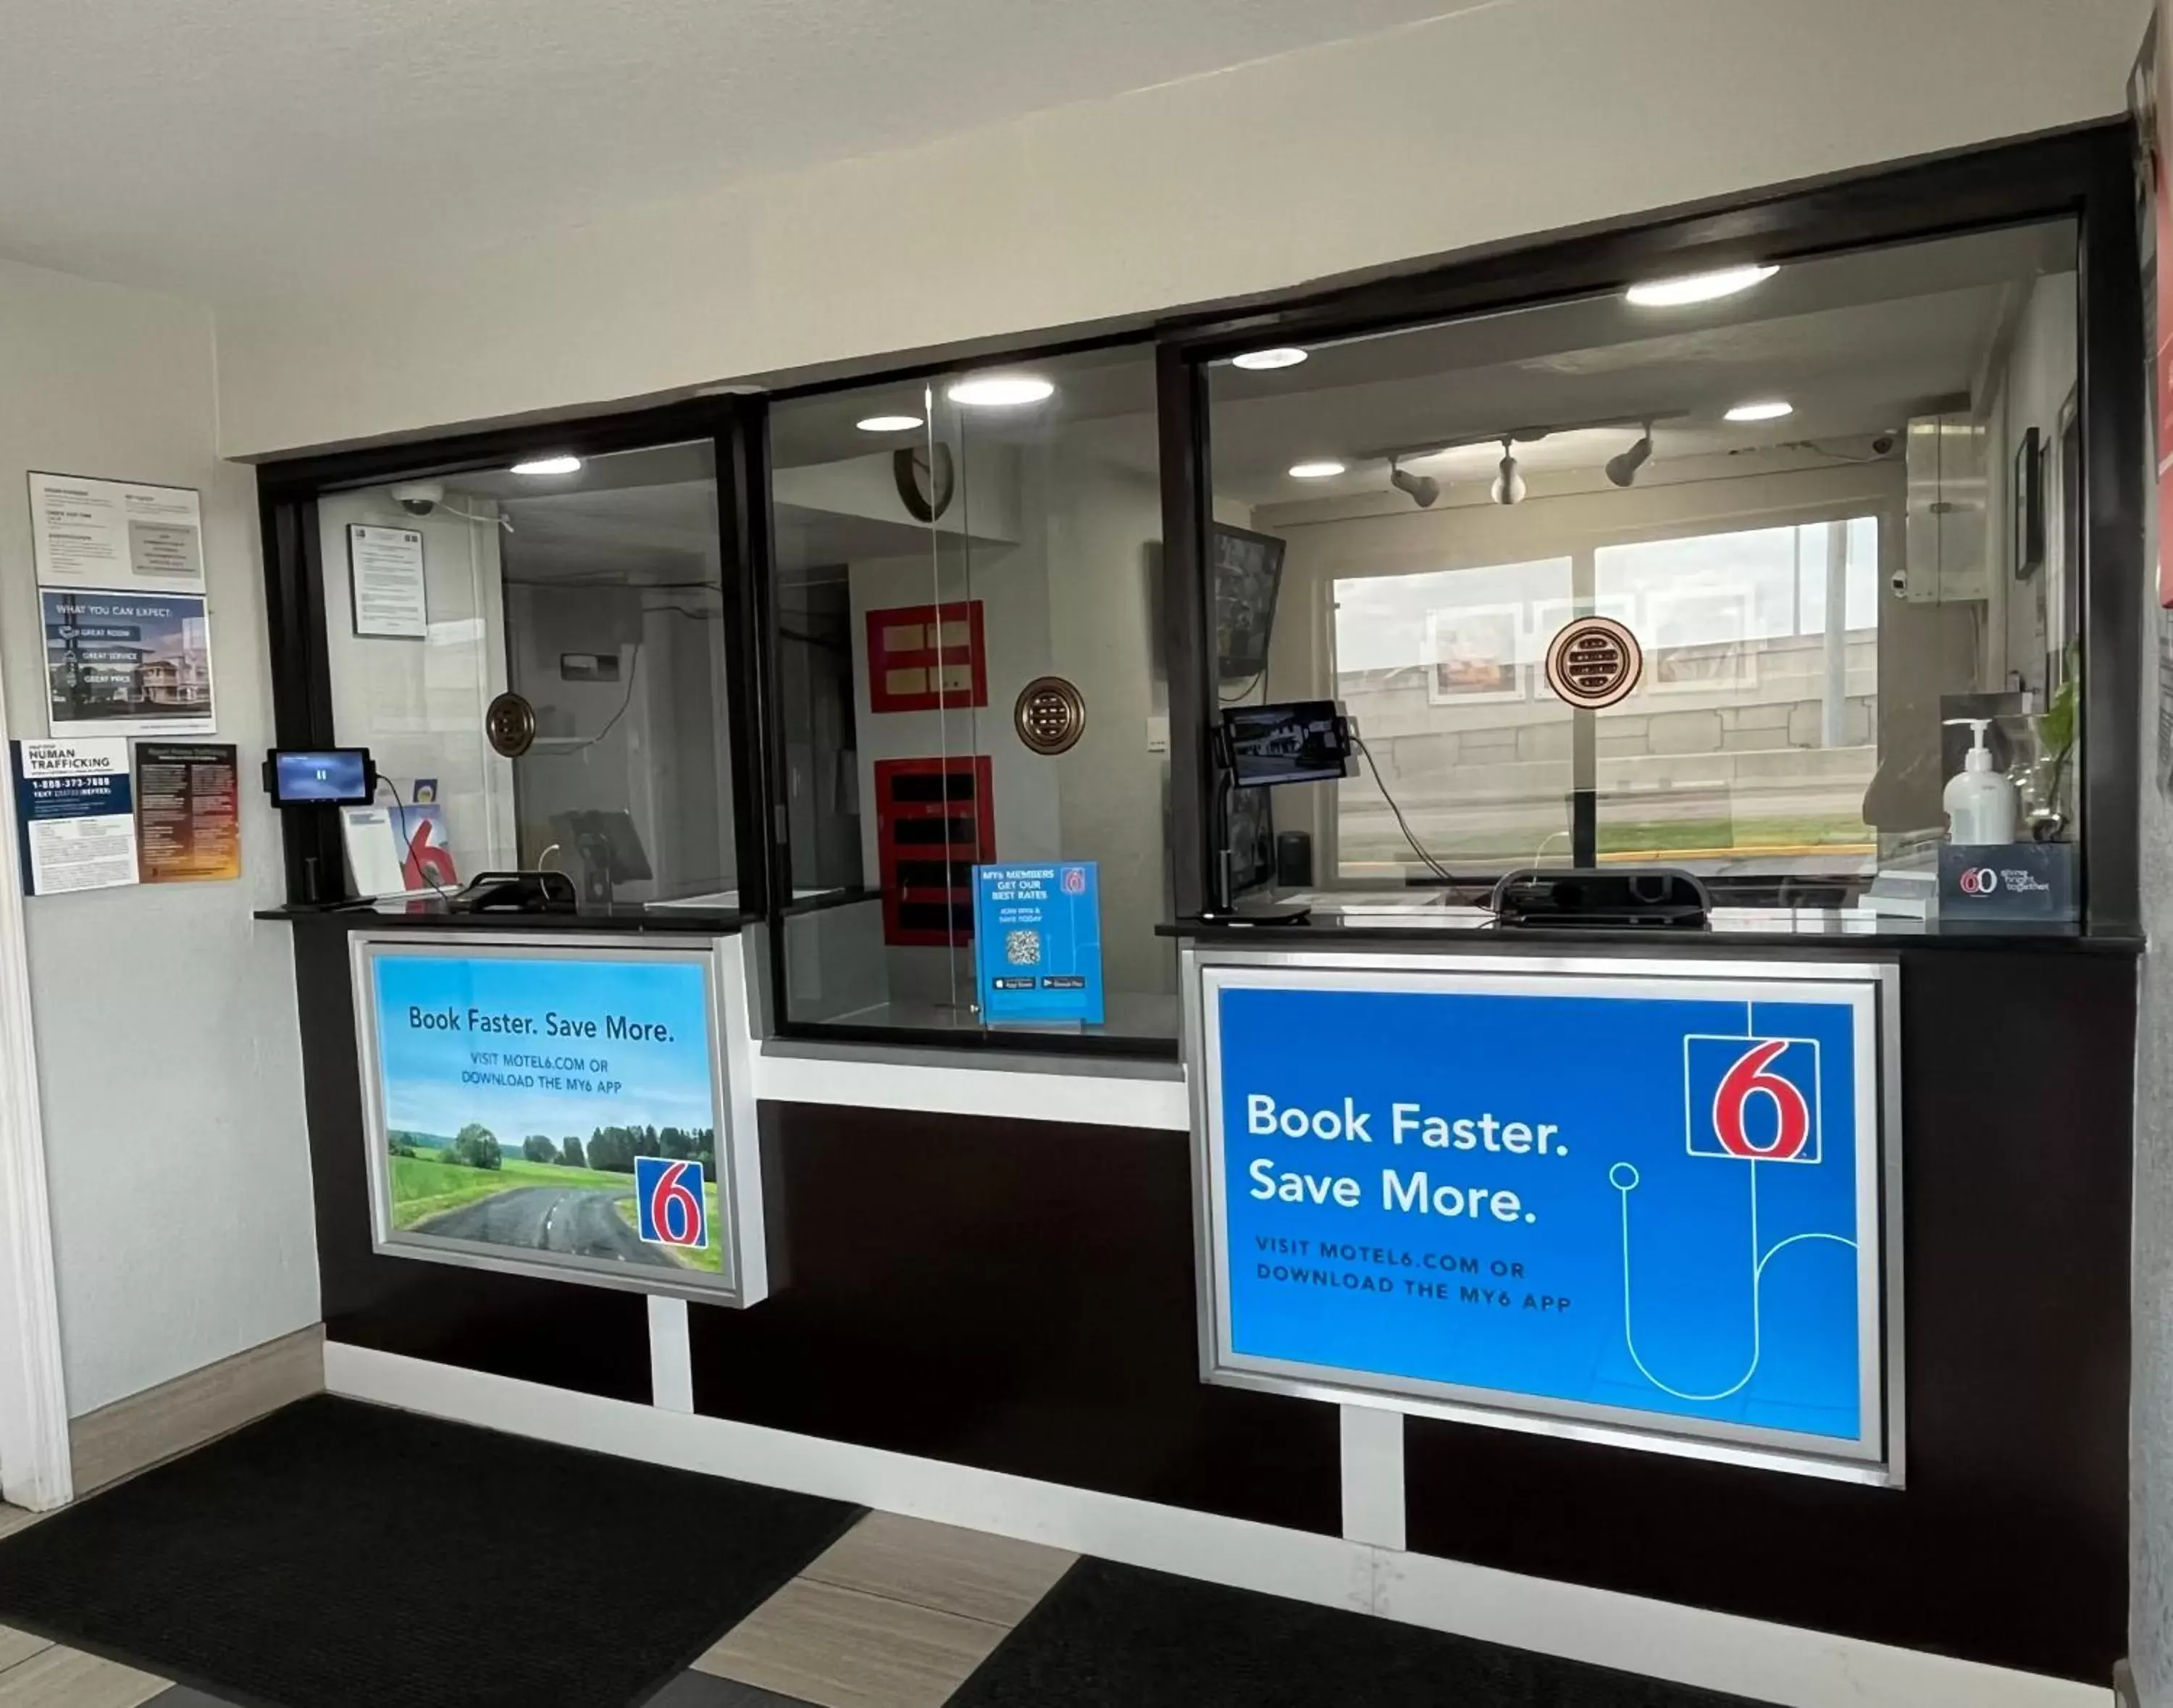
340	1555
1110	1634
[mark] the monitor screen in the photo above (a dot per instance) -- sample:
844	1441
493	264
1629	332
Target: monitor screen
334	775
1249	573
1304	741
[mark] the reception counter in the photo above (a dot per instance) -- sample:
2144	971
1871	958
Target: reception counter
1936	1332
1927	1450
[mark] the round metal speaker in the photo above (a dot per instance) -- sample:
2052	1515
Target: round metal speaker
1050	715
1593	661
509	725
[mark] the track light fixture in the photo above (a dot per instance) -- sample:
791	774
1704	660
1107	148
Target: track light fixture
1622	468
1509	483
1422	489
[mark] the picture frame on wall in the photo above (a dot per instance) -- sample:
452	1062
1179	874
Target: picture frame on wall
1474	654
2029	505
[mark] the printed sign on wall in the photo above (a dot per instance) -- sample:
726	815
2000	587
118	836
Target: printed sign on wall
1613	1200
127	664
115	534
556	1108
75	826
188	815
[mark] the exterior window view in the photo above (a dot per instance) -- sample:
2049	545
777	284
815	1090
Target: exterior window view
1220	855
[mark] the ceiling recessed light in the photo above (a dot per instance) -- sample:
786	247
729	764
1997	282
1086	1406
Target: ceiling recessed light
889	423
1771	410
1322	471
1000	390
1282	356
1698	287
549	464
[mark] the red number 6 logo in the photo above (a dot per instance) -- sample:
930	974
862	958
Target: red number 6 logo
675	1210
1748	1079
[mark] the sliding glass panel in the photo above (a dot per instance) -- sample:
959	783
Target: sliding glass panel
965	589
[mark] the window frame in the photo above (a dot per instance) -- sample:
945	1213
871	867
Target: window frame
2085	174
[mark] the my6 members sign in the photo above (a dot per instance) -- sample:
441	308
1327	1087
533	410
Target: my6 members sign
1643	1207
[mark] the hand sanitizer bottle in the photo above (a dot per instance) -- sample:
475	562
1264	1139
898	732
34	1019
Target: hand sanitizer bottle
1980	799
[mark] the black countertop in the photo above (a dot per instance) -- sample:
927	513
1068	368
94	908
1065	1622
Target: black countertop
430	913
1796	928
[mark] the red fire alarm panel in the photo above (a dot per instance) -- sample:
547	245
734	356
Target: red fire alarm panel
922	658
935	821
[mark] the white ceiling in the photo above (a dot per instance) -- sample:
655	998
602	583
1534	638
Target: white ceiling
236	148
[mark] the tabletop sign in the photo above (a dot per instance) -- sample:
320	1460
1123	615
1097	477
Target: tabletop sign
1638	1208
1038	944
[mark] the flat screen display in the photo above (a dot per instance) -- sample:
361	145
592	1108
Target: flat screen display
1301	742
1248	575
336	776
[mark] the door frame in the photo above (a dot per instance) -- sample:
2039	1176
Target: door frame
36	1470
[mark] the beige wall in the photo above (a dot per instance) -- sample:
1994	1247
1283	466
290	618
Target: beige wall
169	1064
1514	119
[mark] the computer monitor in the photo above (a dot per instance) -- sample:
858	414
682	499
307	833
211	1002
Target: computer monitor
1248	575
1298	741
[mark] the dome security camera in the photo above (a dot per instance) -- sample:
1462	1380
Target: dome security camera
419	498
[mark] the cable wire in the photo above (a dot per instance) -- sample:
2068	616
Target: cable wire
1380	782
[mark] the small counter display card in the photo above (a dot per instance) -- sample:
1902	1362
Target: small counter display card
188	821
75	825
1038	944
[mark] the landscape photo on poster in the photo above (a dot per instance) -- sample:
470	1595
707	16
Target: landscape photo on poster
519	1091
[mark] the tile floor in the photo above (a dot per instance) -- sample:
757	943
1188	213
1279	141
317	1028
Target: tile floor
896	1615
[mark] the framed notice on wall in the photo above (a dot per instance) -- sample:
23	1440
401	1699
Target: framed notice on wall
558	1107
385	577
116	534
1650	1205
127	664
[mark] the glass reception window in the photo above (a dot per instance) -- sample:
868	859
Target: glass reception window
965	589
1753	736
1835	510
593	594
1440	670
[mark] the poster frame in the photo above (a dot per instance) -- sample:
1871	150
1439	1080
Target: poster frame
1877	1457
744	1277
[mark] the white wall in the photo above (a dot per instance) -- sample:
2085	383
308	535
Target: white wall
1508	120
168	1061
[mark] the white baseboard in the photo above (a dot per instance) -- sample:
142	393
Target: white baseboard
1781	1664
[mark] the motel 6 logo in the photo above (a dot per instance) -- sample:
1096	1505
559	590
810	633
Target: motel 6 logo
1752	1098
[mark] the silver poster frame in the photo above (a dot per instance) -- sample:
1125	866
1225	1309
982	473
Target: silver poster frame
1873	990
742	1280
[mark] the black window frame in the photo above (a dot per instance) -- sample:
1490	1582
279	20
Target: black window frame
288	492
2084	174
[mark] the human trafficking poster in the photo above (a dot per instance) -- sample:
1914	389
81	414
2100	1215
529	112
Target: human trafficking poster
560	1108
1607	1198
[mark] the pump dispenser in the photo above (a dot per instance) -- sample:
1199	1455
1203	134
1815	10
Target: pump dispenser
1980	799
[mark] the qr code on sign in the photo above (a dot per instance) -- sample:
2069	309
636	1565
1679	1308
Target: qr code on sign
1023	948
